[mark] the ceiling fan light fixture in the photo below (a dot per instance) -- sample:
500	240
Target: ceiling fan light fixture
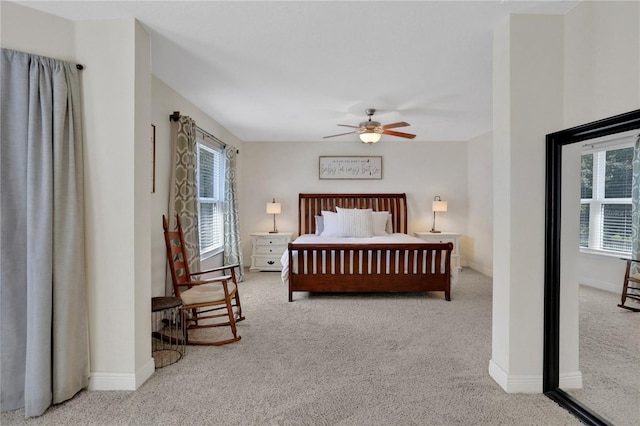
371	131
370	136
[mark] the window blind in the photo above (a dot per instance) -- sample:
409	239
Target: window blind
210	183
616	227
605	191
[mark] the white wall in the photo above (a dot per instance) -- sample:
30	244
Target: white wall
117	166
602	65
32	31
570	376
141	200
500	354
165	101
549	75
420	169
116	129
602	272
477	245
602	79
528	69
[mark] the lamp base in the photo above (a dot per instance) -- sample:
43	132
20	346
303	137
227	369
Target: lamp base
433	231
275	227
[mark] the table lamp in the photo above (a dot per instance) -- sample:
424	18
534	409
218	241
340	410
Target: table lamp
437	206
274	209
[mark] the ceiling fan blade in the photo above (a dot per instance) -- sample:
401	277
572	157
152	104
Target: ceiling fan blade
340	134
349	125
394	125
399	134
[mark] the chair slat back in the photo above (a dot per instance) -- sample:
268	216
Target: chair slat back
176	255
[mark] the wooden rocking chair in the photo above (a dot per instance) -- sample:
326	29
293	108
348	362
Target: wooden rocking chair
629	290
206	301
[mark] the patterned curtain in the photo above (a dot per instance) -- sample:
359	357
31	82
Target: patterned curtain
183	192
635	209
232	243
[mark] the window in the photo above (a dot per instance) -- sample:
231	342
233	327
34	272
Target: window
210	175
605	192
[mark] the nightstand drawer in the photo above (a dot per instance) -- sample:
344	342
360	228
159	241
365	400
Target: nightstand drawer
444	240
272	241
270	250
267	263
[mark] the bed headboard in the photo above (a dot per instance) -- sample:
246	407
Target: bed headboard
310	205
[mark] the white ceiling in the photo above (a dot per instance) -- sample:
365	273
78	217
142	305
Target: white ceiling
292	70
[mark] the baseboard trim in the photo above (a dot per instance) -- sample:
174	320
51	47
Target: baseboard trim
571	380
145	372
513	383
498	375
485	270
121	381
530	384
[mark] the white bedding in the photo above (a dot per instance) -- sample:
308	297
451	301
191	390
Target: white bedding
381	239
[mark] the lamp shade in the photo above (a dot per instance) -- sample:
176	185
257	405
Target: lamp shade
439	206
274	208
370	137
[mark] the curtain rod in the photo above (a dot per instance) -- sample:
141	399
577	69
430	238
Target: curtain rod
176	116
210	136
612	139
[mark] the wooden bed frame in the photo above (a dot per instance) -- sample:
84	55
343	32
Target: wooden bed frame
313	264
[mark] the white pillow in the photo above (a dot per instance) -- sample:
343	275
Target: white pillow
356	223
389	225
380	220
319	225
330	220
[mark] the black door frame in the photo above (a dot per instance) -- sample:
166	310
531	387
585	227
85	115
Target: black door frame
553	192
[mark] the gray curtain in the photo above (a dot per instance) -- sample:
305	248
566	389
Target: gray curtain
44	355
232	242
183	191
635	209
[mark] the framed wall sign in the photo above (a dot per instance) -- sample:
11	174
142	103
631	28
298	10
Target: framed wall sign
331	167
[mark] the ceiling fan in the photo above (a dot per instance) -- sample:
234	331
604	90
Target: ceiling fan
372	131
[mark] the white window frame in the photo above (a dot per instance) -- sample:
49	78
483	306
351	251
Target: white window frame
598	200
218	199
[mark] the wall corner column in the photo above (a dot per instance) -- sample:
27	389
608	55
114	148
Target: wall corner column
528	104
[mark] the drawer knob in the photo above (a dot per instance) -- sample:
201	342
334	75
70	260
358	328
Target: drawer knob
271	262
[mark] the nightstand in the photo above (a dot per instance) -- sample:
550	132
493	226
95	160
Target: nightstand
268	249
444	237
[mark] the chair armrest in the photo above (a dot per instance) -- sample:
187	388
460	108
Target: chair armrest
209	281
219	268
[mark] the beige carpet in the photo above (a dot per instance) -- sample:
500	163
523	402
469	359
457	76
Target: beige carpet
330	360
609	357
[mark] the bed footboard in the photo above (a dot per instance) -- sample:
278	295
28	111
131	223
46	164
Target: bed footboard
354	268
